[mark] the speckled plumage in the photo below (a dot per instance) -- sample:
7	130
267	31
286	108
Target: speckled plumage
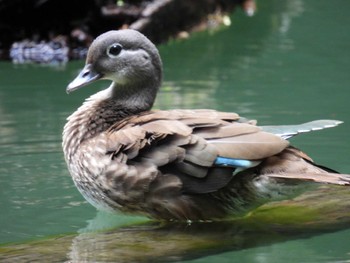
164	164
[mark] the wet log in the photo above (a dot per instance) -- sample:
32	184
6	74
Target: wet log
324	210
166	18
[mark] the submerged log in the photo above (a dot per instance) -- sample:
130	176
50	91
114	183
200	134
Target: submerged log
326	209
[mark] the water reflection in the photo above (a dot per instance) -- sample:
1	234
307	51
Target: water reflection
101	241
293	9
54	52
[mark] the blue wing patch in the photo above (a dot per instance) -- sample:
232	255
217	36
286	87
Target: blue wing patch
236	163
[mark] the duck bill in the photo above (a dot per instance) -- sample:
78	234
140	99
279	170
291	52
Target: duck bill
86	76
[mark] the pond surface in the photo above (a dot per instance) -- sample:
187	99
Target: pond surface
288	64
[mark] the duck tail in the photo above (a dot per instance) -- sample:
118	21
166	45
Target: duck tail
324	178
288	131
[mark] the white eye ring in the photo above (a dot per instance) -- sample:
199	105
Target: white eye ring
114	50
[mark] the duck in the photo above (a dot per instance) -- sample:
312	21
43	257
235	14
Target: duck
180	164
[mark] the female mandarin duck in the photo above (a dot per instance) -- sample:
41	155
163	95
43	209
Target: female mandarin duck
177	164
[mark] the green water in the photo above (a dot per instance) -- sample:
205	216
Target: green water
288	64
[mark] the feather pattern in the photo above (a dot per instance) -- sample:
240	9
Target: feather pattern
288	131
176	164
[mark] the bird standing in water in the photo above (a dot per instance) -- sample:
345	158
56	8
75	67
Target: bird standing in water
176	164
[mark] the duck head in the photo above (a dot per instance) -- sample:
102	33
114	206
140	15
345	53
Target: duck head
127	58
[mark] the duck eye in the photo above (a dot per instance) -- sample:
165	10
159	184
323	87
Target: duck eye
114	50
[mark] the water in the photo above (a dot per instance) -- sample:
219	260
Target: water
288	64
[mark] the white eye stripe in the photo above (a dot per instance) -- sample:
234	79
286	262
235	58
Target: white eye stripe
114	50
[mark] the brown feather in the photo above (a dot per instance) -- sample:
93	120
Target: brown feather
167	127
191	169
252	146
229	130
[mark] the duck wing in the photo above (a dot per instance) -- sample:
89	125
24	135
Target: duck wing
202	148
181	161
